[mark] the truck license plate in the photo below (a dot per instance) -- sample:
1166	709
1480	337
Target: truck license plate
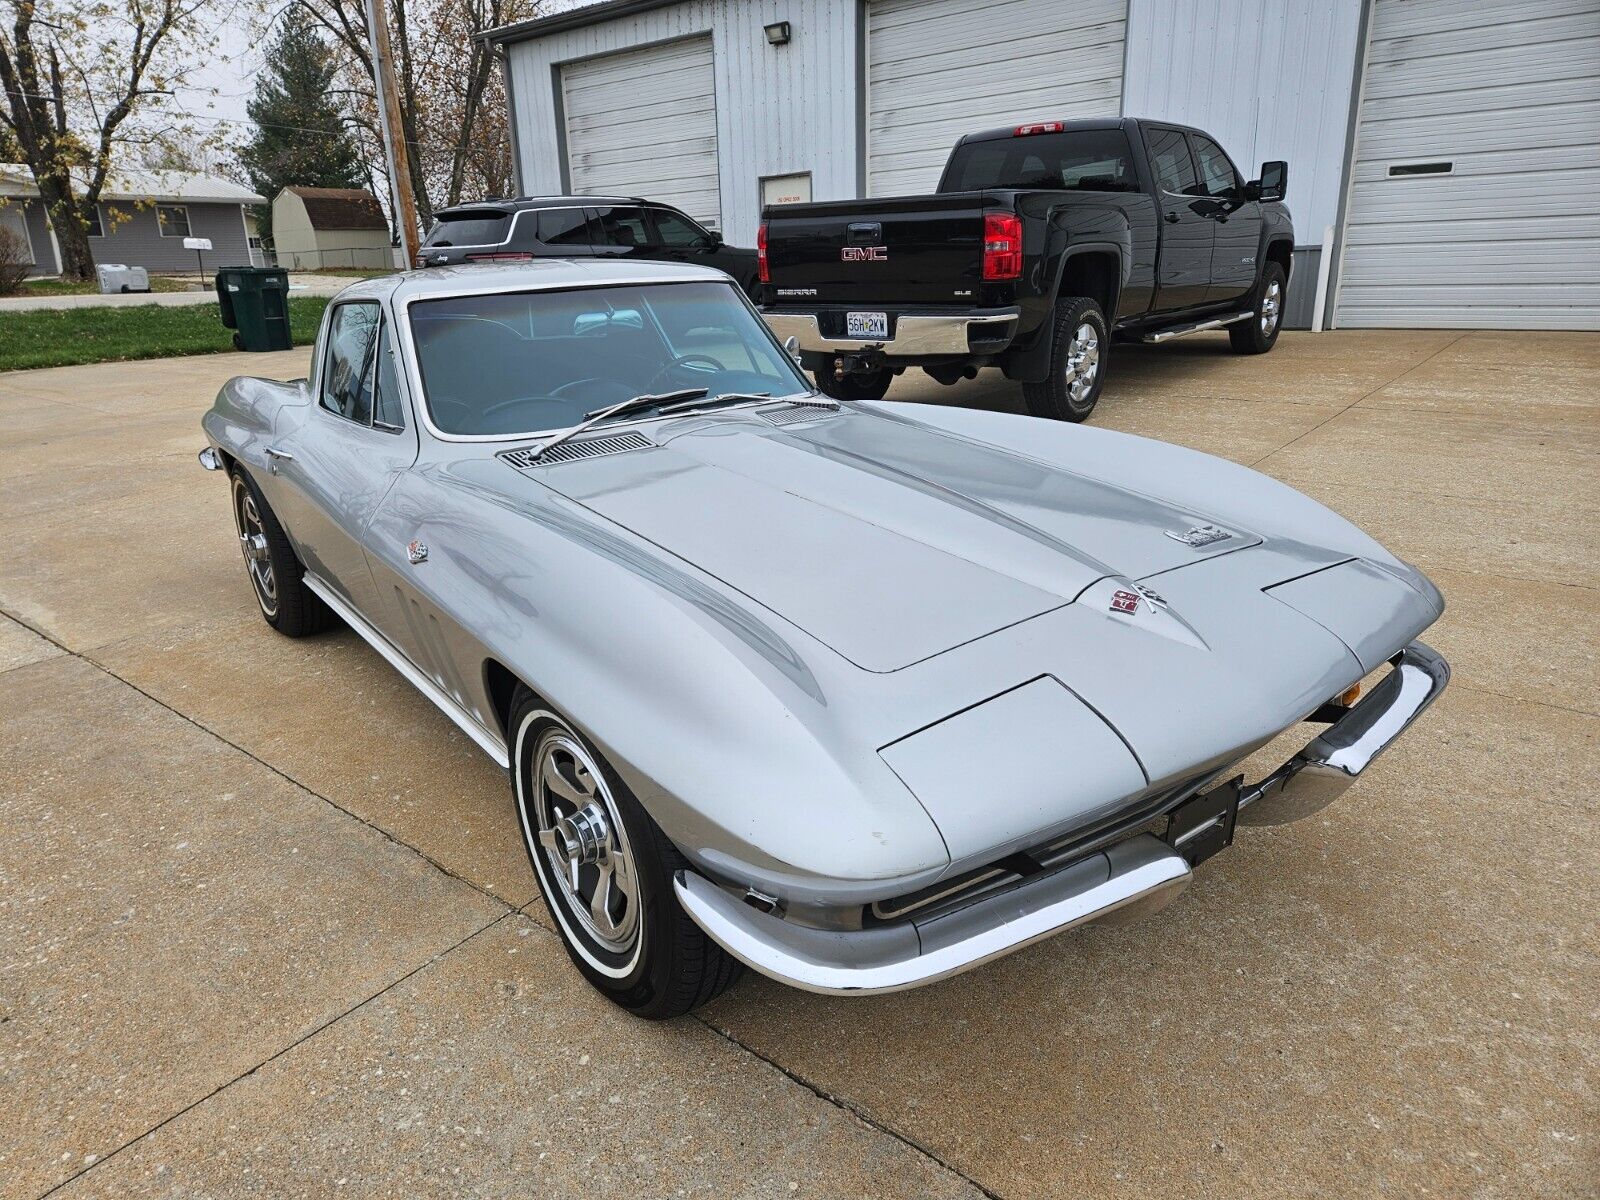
866	325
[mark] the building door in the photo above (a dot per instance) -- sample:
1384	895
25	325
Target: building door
1475	193
937	69
644	123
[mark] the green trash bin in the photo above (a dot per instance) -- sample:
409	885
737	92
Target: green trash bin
255	304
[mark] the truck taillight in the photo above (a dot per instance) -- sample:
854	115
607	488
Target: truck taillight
762	272
1038	127
1002	246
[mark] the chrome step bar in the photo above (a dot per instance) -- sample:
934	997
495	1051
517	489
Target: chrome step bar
1166	335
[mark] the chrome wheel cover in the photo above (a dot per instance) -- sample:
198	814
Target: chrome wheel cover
253	545
1271	307
1083	362
582	843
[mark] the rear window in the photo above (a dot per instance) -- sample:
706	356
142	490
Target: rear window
1089	160
481	227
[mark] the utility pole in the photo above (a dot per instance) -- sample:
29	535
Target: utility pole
405	201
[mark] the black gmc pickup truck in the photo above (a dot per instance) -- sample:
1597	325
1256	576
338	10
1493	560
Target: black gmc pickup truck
1042	244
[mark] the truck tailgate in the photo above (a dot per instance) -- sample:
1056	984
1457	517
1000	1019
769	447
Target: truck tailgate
904	250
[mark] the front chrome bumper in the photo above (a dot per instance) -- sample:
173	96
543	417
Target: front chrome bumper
915	335
1119	884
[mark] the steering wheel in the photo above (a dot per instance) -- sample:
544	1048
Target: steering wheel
688	362
591	382
503	405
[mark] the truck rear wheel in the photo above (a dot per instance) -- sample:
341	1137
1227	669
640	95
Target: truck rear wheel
1260	332
855	385
1078	346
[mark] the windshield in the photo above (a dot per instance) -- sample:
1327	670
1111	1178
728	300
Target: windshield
1092	160
506	364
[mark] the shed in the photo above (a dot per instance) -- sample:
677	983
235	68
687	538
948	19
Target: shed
316	227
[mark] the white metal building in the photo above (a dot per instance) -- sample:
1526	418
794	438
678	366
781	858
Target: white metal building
1448	150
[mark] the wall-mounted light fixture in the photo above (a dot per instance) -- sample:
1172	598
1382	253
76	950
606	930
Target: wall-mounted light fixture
777	33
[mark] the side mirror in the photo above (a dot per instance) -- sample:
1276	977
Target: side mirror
791	347
713	239
1274	181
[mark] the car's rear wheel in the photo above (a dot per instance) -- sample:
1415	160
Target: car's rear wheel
276	575
857	385
605	869
1080	341
1260	333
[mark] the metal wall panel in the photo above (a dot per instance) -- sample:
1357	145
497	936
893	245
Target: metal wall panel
782	109
1508	93
644	123
937	69
1269	78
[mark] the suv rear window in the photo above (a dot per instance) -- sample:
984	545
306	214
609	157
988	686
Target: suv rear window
1090	160
472	227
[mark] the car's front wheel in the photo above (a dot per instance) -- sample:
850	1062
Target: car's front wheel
270	561
1260	333
606	870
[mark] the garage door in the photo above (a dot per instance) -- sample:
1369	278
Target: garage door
937	69
1475	198
644	123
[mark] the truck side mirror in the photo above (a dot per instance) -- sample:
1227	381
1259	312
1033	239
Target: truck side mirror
1274	181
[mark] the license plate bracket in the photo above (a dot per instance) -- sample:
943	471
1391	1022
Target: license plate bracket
1200	827
867	325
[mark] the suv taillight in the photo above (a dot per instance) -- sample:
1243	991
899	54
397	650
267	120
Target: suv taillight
1002	246
762	272
420	261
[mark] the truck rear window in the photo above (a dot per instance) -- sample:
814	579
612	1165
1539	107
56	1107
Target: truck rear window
1089	160
474	227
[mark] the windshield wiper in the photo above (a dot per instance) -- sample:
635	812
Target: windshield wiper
622	408
706	403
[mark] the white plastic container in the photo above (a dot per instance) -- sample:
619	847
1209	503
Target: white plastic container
116	278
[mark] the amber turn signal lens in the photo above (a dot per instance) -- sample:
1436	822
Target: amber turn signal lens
1349	696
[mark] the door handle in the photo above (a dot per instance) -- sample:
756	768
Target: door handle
275	456
1171	218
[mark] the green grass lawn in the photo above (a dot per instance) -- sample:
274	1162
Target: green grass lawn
76	287
61	338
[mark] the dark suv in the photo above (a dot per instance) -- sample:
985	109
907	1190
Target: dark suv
579	227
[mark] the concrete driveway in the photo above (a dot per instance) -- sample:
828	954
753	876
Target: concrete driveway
266	926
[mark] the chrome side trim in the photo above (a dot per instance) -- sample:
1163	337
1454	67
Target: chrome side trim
1320	774
1166	335
489	744
913	334
1129	880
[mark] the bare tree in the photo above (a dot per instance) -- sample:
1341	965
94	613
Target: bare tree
80	77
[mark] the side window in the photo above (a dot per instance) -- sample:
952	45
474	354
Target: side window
1169	155
1216	172
347	372
564	227
622	227
388	409
679	232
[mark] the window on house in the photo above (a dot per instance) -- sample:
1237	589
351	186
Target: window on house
97	227
173	219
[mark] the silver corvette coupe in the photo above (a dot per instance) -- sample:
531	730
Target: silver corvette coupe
858	695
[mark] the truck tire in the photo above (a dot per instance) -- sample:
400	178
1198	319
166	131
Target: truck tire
1260	333
1078	345
854	386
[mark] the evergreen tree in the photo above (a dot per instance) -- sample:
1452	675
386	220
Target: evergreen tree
301	137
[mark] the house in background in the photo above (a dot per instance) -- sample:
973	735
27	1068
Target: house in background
330	227
141	220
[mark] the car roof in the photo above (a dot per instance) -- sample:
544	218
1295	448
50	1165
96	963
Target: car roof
519	203
541	274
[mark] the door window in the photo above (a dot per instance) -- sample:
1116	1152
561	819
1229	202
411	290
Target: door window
388	410
347	377
678	232
565	227
1169	155
1216	170
622	227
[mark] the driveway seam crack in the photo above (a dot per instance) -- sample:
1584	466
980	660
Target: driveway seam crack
277	1054
848	1106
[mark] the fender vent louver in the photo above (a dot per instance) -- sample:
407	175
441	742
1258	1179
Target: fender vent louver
612	443
789	415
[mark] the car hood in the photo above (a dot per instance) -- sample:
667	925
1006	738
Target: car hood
884	540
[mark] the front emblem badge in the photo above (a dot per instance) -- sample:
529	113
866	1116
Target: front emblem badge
416	551
1124	601
1200	535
